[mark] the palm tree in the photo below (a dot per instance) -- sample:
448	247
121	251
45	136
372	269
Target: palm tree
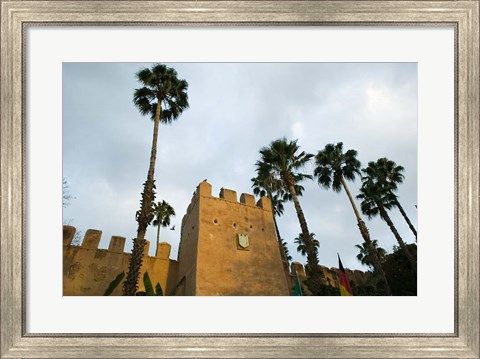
365	258
332	167
377	197
162	212
163	97
391	175
301	248
266	185
282	160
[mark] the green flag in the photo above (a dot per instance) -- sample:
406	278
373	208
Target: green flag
298	288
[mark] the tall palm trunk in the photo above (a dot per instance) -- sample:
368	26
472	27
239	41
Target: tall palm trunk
366	237
144	216
158	238
400	241
311	250
410	225
312	259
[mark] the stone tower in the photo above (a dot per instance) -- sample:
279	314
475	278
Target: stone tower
229	247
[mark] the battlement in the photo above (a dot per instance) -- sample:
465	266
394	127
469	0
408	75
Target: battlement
210	254
228	246
92	238
88	270
204	189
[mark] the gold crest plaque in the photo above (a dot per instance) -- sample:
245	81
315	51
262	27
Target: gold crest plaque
243	242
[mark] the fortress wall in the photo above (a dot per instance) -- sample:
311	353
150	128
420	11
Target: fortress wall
330	276
224	268
88	270
172	280
297	268
210	259
185	280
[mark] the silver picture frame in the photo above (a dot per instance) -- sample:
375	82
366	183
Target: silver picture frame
16	16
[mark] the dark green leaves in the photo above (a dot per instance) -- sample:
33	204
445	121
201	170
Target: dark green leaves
147	283
282	161
161	86
301	247
378	184
162	212
331	164
149	290
384	173
114	283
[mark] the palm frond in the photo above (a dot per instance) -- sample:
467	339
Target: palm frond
301	247
161	85
331	165
379	184
282	159
163	212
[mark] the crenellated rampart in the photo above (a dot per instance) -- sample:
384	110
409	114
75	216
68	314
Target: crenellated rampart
211	260
204	189
88	270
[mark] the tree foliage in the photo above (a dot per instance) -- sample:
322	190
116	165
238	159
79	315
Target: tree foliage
401	277
301	248
365	258
332	164
162	212
161	85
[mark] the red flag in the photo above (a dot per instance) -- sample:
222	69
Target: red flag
345	288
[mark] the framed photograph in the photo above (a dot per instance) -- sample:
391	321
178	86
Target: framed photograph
66	66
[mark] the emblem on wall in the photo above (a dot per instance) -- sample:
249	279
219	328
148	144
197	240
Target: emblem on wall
243	241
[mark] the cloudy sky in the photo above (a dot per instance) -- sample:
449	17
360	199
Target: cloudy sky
235	109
